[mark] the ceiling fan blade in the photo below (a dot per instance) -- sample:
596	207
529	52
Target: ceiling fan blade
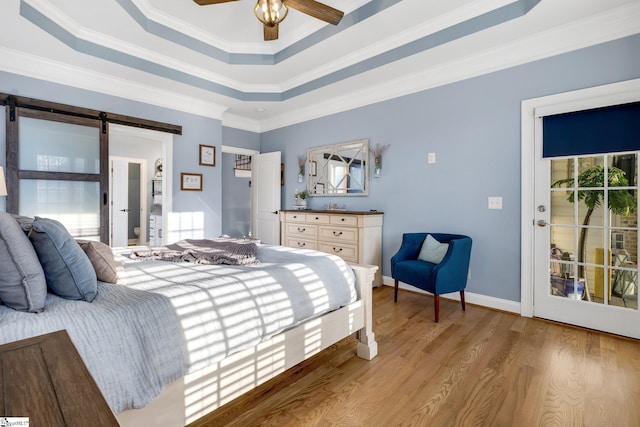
207	2
270	33
316	9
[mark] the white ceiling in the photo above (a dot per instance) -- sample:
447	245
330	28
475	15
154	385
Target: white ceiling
211	60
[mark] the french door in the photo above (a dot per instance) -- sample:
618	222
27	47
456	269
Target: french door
586	241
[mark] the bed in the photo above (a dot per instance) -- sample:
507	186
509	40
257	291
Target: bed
174	341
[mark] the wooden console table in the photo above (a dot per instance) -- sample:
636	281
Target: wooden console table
45	379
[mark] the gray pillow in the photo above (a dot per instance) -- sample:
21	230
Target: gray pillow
107	265
25	222
67	268
433	251
22	283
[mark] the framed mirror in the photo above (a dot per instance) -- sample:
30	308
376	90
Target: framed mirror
339	169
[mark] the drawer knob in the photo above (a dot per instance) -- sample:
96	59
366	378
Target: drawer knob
301	244
317	218
337	250
337	233
342	219
302	230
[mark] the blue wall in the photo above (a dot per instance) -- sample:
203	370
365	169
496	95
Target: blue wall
195	130
473	126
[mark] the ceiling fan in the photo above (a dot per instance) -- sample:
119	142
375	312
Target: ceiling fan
272	12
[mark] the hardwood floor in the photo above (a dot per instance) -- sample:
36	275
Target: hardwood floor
474	368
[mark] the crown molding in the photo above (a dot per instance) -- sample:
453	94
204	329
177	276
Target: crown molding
40	68
617	23
611	25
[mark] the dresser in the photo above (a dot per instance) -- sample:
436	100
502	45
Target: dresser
354	236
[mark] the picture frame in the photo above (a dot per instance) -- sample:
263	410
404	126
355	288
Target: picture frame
190	181
319	188
313	168
207	155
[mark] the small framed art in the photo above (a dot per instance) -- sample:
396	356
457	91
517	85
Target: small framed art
191	181
207	155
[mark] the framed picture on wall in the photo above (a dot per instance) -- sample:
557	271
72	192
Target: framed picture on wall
207	155
191	181
313	168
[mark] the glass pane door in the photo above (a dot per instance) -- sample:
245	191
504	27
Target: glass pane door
60	171
588	273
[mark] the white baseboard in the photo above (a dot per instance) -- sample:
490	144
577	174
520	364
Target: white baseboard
470	297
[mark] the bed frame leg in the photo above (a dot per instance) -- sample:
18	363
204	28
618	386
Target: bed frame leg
367	347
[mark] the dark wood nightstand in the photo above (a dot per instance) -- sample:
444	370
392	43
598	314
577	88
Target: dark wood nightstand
45	379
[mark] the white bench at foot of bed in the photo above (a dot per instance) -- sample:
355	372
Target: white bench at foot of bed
205	390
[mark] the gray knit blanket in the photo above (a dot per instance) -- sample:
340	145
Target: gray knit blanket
204	251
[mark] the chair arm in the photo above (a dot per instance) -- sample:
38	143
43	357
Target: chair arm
452	272
409	249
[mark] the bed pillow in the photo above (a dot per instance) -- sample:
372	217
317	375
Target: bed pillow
25	222
22	283
107	265
433	251
67	268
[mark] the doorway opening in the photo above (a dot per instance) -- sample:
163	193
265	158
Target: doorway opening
236	191
155	150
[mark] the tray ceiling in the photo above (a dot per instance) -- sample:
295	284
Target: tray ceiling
212	60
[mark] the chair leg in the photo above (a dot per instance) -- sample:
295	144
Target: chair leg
462	301
436	302
395	291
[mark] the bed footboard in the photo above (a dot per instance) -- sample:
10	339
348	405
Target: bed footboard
365	274
205	390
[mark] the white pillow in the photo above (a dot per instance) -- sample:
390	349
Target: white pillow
433	251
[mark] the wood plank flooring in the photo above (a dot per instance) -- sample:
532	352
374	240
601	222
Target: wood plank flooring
475	368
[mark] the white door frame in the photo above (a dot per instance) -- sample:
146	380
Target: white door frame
167	166
143	193
533	110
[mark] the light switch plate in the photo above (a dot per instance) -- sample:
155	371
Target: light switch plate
495	202
431	158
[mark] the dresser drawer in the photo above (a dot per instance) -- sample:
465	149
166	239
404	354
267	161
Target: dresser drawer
301	244
339	234
318	218
346	252
295	217
302	231
344	220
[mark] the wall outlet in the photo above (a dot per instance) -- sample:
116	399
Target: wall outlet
431	158
495	202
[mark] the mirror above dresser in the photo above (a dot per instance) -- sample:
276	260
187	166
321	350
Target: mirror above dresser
339	169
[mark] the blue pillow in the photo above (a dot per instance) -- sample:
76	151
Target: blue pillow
22	284
67	268
433	251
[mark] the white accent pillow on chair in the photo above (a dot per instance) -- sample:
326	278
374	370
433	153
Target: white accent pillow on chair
433	251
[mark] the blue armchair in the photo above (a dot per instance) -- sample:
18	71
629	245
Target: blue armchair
449	275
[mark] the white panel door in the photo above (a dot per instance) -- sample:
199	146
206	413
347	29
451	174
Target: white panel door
265	196
119	203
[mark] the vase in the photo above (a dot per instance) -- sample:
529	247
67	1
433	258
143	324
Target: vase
377	166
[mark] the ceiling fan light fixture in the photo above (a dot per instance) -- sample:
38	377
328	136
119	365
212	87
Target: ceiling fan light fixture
270	12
